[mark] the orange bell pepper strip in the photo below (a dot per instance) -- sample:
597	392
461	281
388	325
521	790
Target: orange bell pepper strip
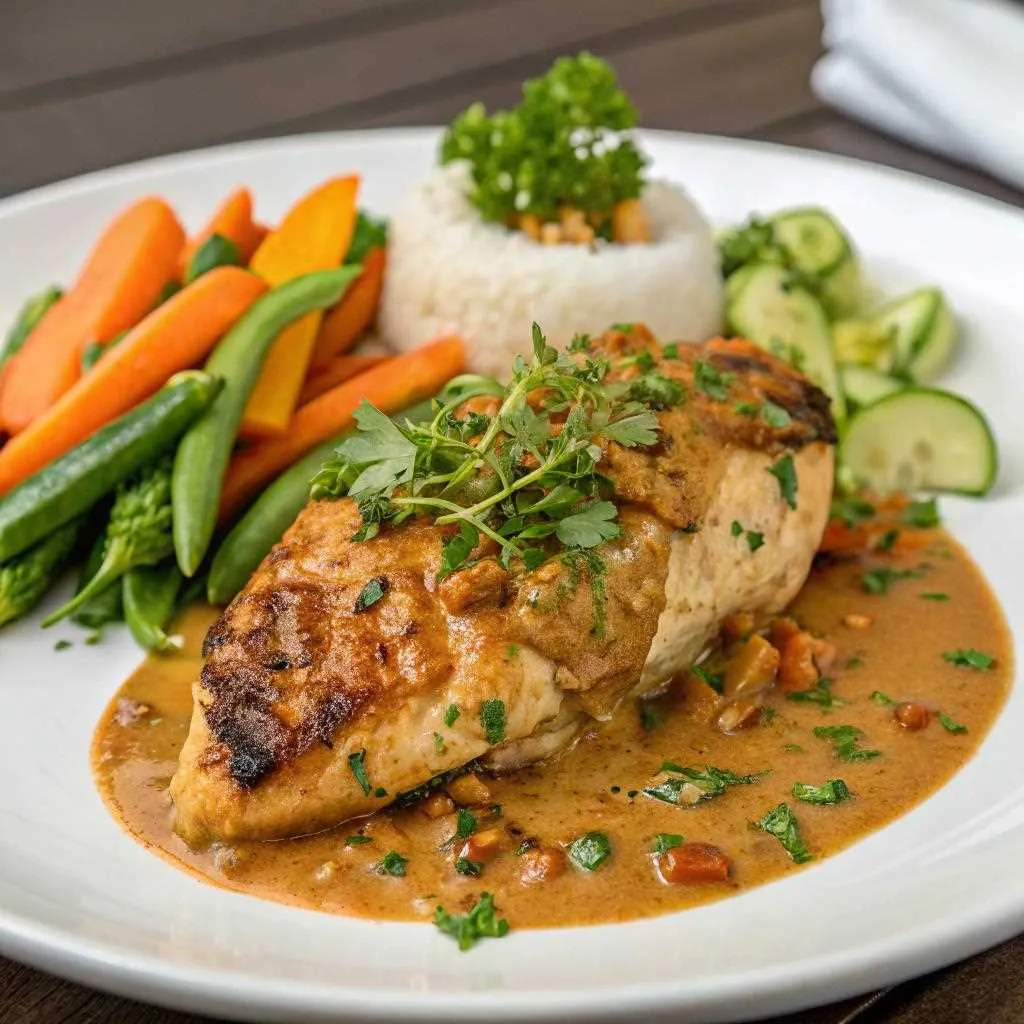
119	284
233	221
391	386
314	235
345	324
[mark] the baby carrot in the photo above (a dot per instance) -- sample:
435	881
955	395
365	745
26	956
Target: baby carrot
118	285
390	386
337	371
174	337
232	221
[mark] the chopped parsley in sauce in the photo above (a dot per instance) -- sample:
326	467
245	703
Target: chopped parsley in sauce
474	868
922	514
716	680
357	766
689	786
482	922
392	863
650	716
969	658
820	694
950	724
371	594
357	840
833	791
439	745
782	824
935	596
590	851
665	841
451	715
493	719
844	739
712	381
785	472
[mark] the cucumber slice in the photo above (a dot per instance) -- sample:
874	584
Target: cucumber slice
790	322
921	439
819	247
862	343
923	332
864	386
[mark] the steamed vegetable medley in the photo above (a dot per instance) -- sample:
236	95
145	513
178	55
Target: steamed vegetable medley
150	402
793	285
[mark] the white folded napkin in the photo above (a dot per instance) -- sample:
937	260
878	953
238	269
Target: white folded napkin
946	75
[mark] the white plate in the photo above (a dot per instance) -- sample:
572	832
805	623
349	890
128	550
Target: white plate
79	898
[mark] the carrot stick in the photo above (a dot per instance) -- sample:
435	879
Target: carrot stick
343	326
175	336
337	371
314	235
233	221
119	284
390	386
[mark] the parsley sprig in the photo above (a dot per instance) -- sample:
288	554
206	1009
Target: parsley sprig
525	477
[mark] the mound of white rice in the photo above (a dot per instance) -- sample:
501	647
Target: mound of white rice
449	271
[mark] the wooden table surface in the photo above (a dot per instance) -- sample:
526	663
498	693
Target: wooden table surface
89	83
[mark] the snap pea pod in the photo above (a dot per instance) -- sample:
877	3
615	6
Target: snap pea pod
150	596
77	480
264	524
204	451
28	316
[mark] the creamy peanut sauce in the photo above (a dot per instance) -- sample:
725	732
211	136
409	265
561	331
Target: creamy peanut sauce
135	753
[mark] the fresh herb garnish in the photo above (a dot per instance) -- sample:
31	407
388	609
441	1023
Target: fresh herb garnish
768	714
357	840
755	540
528	483
950	724
716	680
851	510
882	698
568	143
712	381
820	694
665	841
844	739
922	514
482	922
750	409
357	766
887	540
775	416
590	851
371	594
737	528
63	645
493	720
833	791
782	824
878	581
969	658
465	823
650	716
688	786
934	596
369	233
468	867
439	744
451	715
392	863
785	472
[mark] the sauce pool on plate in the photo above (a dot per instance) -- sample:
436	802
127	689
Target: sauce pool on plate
921	665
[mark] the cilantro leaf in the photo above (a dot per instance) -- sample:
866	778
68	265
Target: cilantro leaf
455	550
590	851
379	445
785	472
844	739
482	922
782	824
969	658
712	381
591	526
820	694
392	863
639	429
688	786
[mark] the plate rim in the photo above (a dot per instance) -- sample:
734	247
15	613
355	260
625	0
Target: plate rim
104	964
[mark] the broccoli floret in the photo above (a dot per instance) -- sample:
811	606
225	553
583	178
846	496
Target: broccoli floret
26	577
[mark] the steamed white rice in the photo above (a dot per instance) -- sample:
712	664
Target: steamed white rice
449	271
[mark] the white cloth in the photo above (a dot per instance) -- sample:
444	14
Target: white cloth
945	75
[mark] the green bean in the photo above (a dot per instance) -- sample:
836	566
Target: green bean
150	596
74	483
28	316
264	524
204	451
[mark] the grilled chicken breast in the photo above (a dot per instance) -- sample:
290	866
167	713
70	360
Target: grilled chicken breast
345	674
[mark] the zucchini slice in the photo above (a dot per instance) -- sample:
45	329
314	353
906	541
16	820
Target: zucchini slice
921	439
790	322
923	332
863	385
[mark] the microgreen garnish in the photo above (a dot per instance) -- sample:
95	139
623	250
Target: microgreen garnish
482	922
357	766
493	720
665	841
688	786
371	594
782	824
820	694
969	658
785	472
392	863
833	791
922	514
844	739
528	483
590	851
950	724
